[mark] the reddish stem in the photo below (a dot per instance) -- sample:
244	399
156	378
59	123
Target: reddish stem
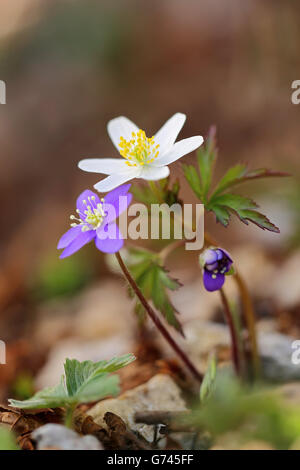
156	320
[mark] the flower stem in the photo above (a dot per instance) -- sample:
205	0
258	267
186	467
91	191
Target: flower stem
250	320
69	416
156	320
248	312
234	340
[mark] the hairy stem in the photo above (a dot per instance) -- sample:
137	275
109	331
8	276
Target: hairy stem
234	339
69	416
156	320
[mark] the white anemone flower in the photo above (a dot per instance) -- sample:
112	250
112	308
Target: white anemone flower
143	157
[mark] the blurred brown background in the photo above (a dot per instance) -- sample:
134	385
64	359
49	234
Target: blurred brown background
71	65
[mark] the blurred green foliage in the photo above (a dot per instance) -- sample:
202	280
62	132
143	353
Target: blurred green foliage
7	440
57	278
23	386
97	34
256	413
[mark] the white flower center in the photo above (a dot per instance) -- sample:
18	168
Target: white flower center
92	217
139	150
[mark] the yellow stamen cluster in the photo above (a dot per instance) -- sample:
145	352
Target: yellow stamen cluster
139	150
92	217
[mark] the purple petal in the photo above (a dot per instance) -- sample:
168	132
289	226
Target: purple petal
219	253
209	256
86	196
115	193
68	237
226	254
213	281
109	240
118	199
212	267
82	239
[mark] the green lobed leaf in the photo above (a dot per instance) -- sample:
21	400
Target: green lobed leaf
160	297
83	382
233	201
224	205
258	219
153	280
221	213
51	397
80	374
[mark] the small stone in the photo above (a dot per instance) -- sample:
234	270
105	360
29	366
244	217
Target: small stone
160	393
202	338
56	436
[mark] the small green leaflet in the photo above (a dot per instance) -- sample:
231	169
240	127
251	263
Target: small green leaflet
244	208
207	156
200	181
209	380
164	193
82	382
222	203
153	280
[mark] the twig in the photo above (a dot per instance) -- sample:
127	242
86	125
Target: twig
172	420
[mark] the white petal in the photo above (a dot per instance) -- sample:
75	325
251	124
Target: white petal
178	150
120	127
168	133
106	166
113	181
152	173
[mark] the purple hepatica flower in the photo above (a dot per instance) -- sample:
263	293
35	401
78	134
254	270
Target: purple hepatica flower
95	220
216	262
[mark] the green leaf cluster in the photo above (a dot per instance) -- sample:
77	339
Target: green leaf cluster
162	192
255	413
220	200
154	280
82	382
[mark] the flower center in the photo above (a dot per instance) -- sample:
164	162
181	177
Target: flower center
139	150
92	217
